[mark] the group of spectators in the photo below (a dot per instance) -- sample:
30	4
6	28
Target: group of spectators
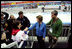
7	25
12	25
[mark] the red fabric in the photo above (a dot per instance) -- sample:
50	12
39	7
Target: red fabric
14	31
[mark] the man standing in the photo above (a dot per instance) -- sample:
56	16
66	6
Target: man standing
43	9
24	20
55	29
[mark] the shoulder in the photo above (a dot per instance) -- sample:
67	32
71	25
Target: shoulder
44	24
60	21
36	23
24	17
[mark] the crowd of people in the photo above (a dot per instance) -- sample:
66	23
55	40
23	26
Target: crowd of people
12	28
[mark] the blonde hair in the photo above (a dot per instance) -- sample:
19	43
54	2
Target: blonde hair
11	15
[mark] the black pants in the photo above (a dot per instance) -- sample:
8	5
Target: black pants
41	42
8	35
70	42
52	41
43	10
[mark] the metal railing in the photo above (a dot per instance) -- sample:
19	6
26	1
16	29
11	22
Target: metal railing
63	37
65	30
32	37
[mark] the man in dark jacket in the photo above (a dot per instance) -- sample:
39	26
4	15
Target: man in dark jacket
24	20
43	9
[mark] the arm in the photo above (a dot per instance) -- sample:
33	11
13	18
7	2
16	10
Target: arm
44	31
28	22
32	27
59	30
6	15
27	29
49	22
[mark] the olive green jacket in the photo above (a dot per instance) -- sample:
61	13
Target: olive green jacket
56	27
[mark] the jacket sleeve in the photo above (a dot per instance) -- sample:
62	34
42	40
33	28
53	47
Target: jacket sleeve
58	33
28	22
49	22
30	28
6	15
44	31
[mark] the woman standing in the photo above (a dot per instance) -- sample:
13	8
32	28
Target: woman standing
40	31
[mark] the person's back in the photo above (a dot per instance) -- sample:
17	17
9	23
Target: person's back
65	8
43	9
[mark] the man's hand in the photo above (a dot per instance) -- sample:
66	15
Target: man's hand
55	38
26	29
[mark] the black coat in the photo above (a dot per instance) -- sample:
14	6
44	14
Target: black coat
5	18
6	15
24	21
10	24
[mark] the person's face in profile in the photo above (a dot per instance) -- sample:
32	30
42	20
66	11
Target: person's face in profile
53	16
37	19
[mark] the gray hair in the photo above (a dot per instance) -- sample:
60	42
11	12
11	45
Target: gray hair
55	12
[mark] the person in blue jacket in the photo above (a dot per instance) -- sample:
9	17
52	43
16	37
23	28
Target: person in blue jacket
40	31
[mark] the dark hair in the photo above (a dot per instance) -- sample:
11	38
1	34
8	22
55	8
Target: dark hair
20	12
40	17
15	24
55	12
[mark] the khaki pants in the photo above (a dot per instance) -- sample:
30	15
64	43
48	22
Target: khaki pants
3	36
